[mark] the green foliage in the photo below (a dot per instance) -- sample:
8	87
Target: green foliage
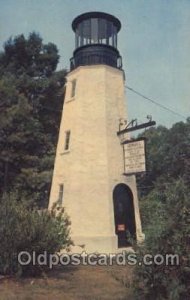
166	217
29	56
24	228
165	212
31	100
168	155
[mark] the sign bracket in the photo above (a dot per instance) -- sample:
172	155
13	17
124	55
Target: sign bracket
133	125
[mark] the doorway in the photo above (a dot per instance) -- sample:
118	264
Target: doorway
124	214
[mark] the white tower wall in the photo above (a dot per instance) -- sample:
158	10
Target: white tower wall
94	164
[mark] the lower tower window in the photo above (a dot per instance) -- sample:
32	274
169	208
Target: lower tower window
60	197
67	140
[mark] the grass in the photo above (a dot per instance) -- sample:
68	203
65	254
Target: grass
72	283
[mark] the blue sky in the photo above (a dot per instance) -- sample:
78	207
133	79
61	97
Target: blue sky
154	42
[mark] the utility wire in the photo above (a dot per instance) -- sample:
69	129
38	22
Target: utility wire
155	102
139	94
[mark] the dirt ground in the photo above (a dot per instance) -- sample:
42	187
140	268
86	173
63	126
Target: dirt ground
72	283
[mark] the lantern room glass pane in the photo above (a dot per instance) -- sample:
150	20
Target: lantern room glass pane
80	42
77	38
86	28
102	30
114	36
94	31
109	29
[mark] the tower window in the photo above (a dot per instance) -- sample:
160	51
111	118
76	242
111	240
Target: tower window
67	139
60	197
73	88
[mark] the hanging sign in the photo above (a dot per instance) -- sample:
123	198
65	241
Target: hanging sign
134	156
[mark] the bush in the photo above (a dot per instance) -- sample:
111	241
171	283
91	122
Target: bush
23	228
166	215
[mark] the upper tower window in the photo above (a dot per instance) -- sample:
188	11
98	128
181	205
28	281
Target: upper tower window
73	87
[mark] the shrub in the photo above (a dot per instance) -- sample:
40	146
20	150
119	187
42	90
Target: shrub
166	214
23	228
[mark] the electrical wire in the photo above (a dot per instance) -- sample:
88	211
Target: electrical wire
156	103
141	95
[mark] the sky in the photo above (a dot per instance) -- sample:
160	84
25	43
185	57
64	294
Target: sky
154	42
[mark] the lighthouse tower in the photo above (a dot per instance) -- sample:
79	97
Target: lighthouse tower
88	178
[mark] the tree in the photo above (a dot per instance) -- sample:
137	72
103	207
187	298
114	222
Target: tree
31	100
30	56
168	155
165	211
166	216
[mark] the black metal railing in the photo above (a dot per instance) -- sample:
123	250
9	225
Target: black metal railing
94	55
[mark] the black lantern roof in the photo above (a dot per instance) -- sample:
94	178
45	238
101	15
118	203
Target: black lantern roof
96	14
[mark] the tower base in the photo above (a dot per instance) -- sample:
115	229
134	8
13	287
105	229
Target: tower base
95	244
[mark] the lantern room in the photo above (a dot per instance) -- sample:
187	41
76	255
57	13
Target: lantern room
96	40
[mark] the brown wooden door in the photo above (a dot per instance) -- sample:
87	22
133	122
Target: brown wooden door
124	214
